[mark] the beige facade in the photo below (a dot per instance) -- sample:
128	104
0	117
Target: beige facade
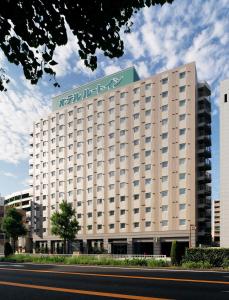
129	161
224	163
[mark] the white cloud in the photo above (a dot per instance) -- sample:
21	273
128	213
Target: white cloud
19	108
111	69
8	174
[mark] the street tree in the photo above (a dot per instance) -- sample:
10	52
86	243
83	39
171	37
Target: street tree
13	226
64	224
30	31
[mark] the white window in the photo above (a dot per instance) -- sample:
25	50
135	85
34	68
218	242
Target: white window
122	158
136	129
182	146
164	178
182	191
136	155
122	95
182	103
136	224
164	222
182	117
182	206
122	225
111	186
164	164
164	121
147	153
182	222
111	173
164	80
148	181
164	135
136	116
147	167
148	209
147	195
122	184
122	132
148	139
182	75
100	102
136	142
122	145
164	207
90	118
136	197
164	150
147	224
111	111
122	171
136	169
182	176
111	99
136	182
164	193
182	161
136	210
147	86
147	126
182	89
182	131
164	94
148	112
147	99
136	90
136	103
164	107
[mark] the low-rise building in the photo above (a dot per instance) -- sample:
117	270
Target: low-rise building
23	201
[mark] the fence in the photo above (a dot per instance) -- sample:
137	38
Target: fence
114	256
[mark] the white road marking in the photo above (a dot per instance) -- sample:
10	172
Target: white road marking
12	265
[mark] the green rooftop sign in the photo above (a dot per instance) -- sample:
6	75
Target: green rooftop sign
95	88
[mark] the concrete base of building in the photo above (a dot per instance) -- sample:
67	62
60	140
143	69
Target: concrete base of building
154	246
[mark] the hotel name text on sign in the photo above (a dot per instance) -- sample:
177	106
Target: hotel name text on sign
95	88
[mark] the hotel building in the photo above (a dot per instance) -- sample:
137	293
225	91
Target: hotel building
224	163
132	156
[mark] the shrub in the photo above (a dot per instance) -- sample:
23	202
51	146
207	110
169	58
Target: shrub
174	253
214	256
196	265
225	263
157	263
8	250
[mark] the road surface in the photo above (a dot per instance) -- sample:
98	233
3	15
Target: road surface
38	282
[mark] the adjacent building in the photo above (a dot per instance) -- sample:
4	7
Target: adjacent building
23	201
224	163
132	157
1	217
216	222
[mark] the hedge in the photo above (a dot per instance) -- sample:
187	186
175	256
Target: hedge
216	257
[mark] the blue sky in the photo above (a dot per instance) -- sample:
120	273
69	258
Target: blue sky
161	38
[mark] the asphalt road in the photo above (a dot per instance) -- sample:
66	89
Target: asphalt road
38	282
